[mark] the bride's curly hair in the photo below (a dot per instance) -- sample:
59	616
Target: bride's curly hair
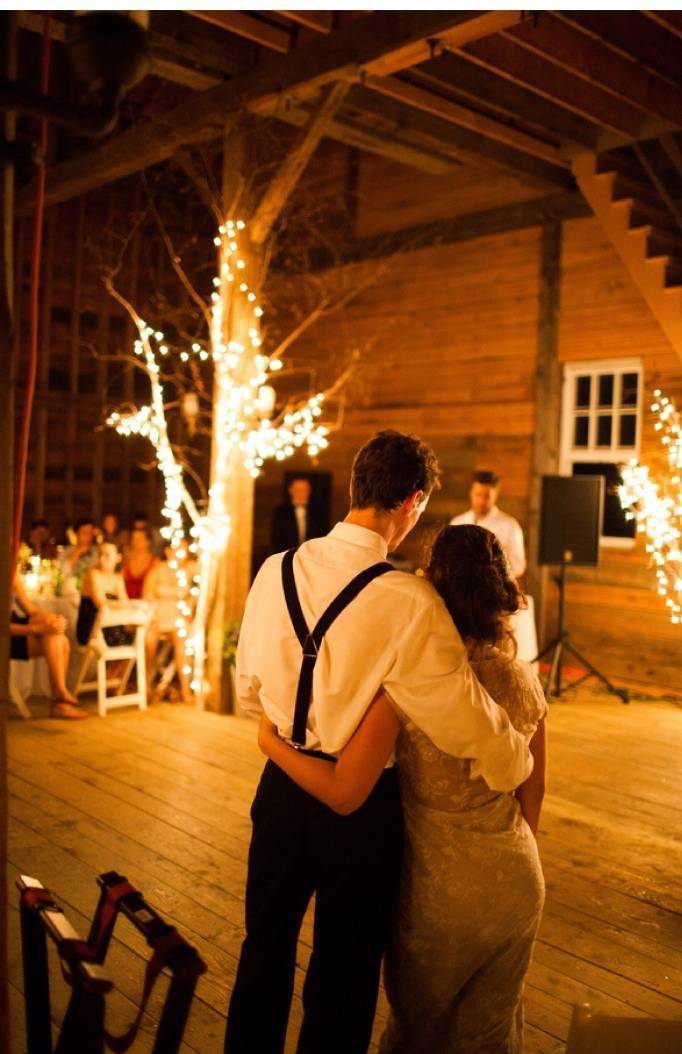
469	569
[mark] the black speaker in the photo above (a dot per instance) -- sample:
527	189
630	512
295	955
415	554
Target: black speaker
570	519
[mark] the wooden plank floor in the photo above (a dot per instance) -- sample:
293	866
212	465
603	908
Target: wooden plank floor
163	797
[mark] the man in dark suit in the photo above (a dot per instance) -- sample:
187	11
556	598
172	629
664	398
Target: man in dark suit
296	520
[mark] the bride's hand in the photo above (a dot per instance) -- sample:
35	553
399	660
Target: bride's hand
267	732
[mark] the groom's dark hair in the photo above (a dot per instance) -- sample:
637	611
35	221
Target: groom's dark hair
390	467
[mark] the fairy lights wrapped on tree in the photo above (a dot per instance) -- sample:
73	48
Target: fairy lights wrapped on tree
247	430
656	502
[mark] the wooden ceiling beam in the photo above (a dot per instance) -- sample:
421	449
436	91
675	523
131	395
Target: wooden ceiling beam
460	143
451	71
244	25
669	20
566	46
193	59
517	216
290	171
379	40
634	34
471	26
429	102
509	59
322	21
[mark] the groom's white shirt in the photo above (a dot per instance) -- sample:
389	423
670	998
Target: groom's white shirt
397	634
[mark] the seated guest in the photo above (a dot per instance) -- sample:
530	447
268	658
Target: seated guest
100	584
296	520
77	558
161	589
138	561
35	634
112	532
41	541
141	520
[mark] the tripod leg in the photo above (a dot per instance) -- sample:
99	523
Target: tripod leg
553	684
620	692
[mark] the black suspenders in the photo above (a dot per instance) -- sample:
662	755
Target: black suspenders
310	641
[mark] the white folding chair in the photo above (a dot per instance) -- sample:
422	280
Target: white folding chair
133	614
592	1033
18	686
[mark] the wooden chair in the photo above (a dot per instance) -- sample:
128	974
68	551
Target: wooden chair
592	1033
133	614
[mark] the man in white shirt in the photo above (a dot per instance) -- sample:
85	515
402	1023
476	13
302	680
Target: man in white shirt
484	512
396	633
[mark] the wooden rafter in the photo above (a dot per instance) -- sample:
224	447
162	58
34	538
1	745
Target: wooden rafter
460	143
322	21
195	66
564	45
434	104
255	29
482	86
379	42
634	33
670	20
509	59
292	167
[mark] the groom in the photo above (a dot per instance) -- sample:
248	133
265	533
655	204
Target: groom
395	633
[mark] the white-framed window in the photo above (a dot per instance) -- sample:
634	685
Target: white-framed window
601	425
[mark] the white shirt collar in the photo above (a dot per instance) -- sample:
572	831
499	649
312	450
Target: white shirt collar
356	535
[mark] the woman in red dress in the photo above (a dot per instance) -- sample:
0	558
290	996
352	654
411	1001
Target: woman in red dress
138	561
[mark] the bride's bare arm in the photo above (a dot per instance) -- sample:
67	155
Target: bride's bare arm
343	785
531	793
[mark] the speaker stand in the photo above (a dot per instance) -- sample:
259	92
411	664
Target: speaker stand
561	644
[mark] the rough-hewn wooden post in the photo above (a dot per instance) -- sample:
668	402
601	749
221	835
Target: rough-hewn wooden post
233	565
547	405
8	53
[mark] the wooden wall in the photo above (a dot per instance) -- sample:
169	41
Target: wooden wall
78	467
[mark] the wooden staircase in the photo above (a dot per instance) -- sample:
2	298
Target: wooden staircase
643	233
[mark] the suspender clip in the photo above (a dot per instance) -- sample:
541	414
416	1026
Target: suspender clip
310	647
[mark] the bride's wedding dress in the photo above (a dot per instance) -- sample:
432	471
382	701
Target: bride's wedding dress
471	895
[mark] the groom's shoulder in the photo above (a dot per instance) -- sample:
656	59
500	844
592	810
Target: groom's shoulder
411	586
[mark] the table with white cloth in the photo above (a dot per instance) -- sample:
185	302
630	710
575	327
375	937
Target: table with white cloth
31	678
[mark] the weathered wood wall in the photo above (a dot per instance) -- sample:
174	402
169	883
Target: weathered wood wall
77	467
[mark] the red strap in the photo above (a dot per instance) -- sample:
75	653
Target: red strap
164	949
107	915
37	898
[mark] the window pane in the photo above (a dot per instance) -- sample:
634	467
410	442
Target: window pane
604	430
628	430
606	389
582	391
614	523
580	431
629	385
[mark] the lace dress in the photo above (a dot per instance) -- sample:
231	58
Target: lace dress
471	894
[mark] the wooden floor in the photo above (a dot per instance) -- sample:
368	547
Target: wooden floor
163	797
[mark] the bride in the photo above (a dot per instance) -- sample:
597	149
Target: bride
471	887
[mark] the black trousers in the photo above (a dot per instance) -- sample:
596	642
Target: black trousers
351	864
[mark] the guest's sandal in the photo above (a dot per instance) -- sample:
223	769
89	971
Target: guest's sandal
66	711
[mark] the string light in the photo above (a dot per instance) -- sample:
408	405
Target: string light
657	505
246	431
